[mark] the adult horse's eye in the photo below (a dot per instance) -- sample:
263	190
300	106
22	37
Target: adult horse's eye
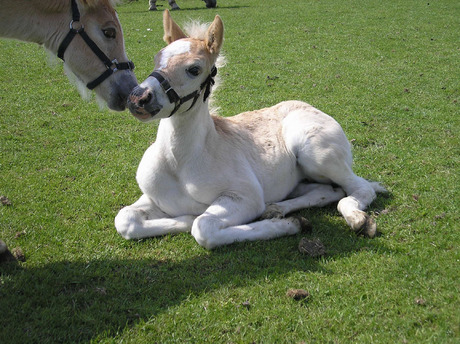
194	71
109	33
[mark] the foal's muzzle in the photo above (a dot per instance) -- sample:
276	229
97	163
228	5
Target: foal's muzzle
142	103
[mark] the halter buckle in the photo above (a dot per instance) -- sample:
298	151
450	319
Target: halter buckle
79	28
114	63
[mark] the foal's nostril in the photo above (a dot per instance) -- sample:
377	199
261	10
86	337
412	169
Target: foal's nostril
146	98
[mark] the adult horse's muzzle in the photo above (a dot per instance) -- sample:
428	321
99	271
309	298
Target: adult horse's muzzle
121	86
142	103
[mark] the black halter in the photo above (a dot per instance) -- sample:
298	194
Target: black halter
176	99
112	66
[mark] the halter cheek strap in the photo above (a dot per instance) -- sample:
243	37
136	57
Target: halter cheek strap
77	28
176	99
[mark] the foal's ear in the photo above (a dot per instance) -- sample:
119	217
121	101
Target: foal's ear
172	31
215	36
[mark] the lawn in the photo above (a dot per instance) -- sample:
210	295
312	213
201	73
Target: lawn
389	72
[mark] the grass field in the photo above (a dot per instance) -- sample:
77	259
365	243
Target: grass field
389	72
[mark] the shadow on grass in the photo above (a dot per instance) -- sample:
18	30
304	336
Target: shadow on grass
74	301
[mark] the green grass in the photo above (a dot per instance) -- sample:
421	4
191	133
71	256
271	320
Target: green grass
387	71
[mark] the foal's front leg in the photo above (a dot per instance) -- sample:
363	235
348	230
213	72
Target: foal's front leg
144	219
226	222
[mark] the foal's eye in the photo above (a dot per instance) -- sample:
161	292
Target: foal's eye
194	71
109	33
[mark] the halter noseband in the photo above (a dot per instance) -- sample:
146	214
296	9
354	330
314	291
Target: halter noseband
176	99
111	65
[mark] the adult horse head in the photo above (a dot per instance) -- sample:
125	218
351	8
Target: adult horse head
86	34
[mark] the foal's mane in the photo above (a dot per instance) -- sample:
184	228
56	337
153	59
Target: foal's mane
196	29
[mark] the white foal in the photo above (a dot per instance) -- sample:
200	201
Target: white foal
233	179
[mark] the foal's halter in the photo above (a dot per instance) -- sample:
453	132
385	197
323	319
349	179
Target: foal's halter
176	99
111	65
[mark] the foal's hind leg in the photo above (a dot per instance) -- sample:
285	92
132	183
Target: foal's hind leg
324	155
304	196
360	193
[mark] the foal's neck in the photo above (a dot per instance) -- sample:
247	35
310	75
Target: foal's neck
186	135
37	21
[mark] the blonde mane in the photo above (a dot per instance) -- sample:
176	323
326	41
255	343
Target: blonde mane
196	29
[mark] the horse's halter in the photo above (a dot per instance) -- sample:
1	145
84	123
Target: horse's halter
112	66
176	99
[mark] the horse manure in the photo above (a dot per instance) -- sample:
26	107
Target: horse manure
18	254
313	247
246	304
298	294
4	200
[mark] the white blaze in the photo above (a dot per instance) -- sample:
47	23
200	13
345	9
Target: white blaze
175	48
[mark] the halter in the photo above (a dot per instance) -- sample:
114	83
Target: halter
77	28
176	99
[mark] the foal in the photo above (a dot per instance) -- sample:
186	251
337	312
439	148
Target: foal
233	179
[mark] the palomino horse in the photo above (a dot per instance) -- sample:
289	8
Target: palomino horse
86	34
175	6
233	179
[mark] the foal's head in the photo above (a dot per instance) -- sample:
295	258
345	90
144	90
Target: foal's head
183	73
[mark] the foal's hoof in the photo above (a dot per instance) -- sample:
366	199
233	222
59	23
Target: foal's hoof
362	224
368	228
305	225
272	211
